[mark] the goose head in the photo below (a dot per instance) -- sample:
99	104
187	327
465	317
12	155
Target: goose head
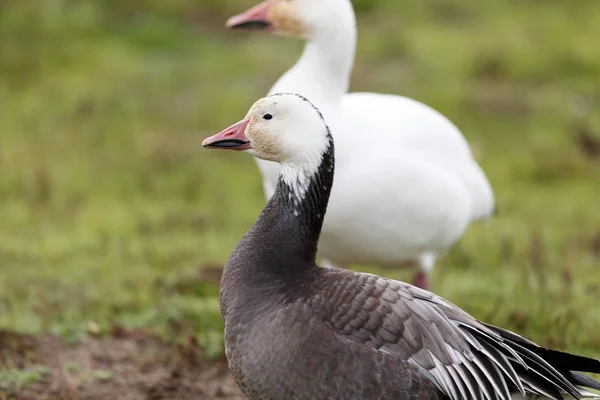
303	19
284	128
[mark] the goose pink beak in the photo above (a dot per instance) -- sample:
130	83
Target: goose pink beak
255	18
232	138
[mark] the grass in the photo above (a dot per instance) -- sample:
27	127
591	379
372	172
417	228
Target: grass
109	207
19	378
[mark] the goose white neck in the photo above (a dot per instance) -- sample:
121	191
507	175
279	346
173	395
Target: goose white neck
298	177
307	178
323	71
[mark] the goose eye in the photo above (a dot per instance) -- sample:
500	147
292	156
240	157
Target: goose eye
267	116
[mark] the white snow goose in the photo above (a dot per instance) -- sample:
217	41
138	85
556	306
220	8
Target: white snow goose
297	331
397	153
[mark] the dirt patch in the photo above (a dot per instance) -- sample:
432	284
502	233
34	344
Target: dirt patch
127	366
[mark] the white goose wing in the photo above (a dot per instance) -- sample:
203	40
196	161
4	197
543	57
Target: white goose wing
400	122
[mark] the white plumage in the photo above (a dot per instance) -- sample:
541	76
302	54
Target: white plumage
407	186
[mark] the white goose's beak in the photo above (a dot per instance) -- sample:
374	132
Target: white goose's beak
255	18
232	138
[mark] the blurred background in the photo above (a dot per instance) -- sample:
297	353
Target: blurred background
113	218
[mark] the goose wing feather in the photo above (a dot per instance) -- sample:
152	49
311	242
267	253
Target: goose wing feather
464	358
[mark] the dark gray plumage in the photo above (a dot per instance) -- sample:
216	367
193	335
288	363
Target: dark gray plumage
295	331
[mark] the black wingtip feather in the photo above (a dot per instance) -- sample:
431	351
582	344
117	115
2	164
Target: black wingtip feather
564	363
583	380
558	359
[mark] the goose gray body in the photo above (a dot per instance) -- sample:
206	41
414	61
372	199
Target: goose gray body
345	335
295	331
307	348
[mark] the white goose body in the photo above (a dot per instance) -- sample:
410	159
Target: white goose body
392	152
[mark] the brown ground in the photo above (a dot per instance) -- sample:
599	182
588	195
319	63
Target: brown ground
126	366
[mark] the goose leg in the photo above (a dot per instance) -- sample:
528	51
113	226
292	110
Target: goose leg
425	266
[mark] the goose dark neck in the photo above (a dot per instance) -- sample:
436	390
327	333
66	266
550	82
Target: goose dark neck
284	239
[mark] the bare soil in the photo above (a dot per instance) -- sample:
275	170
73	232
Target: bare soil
126	366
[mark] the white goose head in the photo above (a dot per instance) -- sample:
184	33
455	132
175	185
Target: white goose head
304	19
284	128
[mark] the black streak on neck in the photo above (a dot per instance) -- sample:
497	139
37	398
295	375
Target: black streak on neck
282	244
304	217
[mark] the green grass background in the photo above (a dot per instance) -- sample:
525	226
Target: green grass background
109	207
